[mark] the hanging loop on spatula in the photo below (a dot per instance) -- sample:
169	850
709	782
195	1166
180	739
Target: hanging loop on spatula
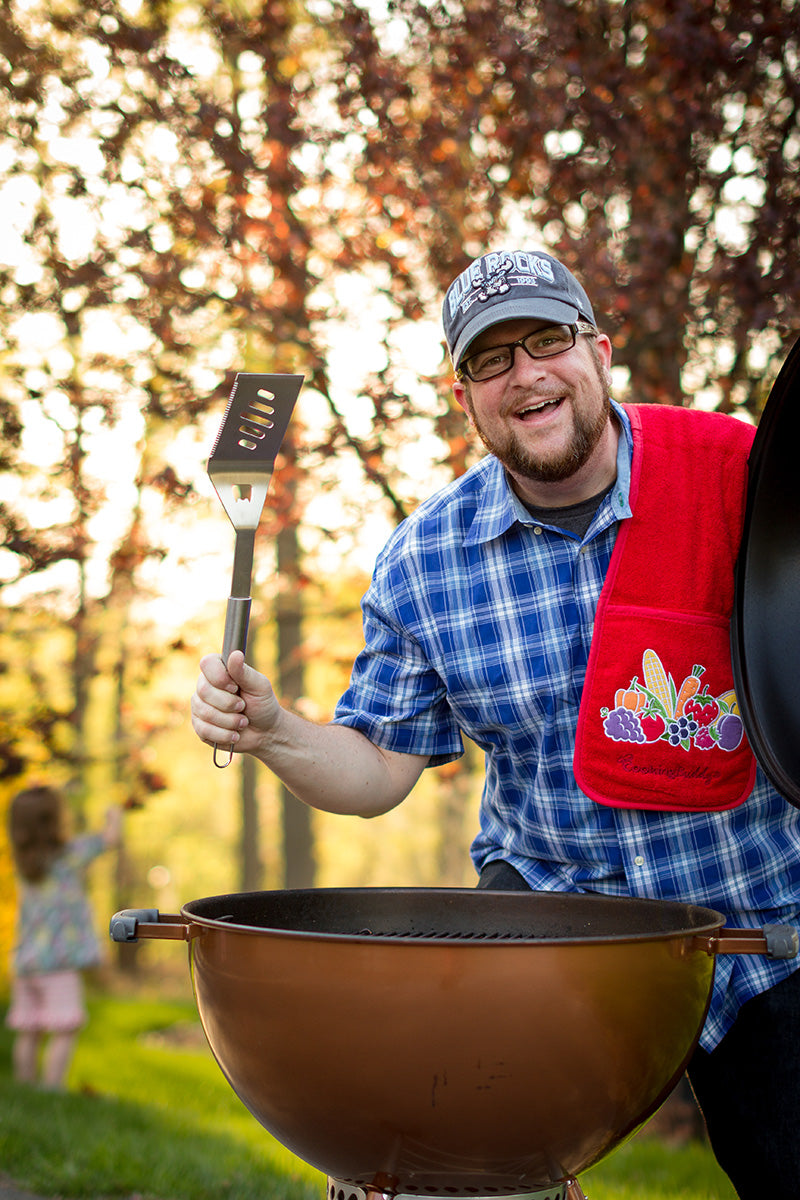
240	468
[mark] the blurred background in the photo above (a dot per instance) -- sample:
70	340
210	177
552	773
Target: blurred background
190	189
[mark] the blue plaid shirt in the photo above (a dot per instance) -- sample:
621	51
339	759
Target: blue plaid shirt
478	620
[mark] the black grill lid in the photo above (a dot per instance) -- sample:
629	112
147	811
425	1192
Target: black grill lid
765	626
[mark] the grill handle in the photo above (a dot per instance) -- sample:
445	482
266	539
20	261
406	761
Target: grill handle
774	941
132	923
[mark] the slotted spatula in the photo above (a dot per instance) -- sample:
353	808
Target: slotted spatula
240	468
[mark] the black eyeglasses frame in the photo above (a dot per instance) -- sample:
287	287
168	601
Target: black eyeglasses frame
463	372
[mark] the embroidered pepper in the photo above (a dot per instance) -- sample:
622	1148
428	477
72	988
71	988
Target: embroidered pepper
632	697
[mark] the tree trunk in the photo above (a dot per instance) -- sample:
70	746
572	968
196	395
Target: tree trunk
298	837
127	955
250	846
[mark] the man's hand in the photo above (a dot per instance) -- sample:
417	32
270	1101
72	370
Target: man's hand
233	706
331	767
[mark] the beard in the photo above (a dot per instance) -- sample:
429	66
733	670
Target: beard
588	428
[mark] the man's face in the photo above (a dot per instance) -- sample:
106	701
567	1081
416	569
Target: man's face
546	418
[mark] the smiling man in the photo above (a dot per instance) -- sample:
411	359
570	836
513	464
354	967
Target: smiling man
555	605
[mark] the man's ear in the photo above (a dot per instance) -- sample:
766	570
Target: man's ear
604	350
461	396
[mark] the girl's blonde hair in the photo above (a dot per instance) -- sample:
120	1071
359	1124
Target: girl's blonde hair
36	828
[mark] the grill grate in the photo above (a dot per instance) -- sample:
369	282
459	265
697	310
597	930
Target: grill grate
462	935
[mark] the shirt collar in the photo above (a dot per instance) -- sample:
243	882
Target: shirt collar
499	507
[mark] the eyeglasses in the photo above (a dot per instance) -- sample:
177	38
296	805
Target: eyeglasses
542	343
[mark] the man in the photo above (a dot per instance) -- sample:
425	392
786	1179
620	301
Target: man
566	604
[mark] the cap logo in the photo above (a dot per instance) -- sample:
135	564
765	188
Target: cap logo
494	275
496	283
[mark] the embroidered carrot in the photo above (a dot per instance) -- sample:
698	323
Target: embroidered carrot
688	688
656	681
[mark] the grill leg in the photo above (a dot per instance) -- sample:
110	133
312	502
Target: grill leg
566	1189
575	1191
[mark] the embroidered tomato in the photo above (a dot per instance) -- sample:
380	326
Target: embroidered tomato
702	708
653	726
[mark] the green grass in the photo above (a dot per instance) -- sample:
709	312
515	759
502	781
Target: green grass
142	1117
647	1169
150	1116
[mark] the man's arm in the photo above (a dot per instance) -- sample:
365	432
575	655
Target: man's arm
330	767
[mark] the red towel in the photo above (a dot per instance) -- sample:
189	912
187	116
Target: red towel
659	725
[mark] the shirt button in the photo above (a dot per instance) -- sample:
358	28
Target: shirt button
537	529
639	860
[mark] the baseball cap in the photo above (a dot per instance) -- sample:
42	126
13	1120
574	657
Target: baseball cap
504	285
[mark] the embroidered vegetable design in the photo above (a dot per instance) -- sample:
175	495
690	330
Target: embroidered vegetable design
730	731
632	697
656	711
688	689
653	725
657	682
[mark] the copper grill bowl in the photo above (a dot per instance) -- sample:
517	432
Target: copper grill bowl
448	1041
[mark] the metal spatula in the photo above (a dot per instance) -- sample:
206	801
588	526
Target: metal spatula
240	468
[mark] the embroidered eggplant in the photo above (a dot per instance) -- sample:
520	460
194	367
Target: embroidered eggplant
730	731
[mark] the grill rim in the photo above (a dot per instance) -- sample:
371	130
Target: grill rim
704	920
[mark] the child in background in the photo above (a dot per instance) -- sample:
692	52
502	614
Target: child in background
55	939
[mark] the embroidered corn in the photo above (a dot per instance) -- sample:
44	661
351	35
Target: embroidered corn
656	681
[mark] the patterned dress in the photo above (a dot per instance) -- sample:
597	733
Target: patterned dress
54	924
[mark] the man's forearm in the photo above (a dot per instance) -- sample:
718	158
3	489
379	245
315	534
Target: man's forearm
335	768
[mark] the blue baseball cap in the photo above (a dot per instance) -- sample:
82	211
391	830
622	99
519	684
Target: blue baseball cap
504	285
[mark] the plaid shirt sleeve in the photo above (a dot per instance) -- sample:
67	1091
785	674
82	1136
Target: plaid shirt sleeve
396	698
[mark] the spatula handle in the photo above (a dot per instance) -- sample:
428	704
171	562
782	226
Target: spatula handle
237	622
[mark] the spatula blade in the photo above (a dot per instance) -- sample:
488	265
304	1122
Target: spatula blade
243	456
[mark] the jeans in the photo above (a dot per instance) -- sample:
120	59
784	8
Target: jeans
748	1087
749	1091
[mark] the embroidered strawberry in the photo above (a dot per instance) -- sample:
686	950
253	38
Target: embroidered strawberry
653	726
702	708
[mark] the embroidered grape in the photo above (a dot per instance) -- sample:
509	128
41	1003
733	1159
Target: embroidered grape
681	730
623	725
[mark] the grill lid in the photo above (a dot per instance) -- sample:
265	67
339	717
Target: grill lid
765	626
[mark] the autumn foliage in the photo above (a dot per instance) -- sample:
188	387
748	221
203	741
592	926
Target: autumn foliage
200	188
